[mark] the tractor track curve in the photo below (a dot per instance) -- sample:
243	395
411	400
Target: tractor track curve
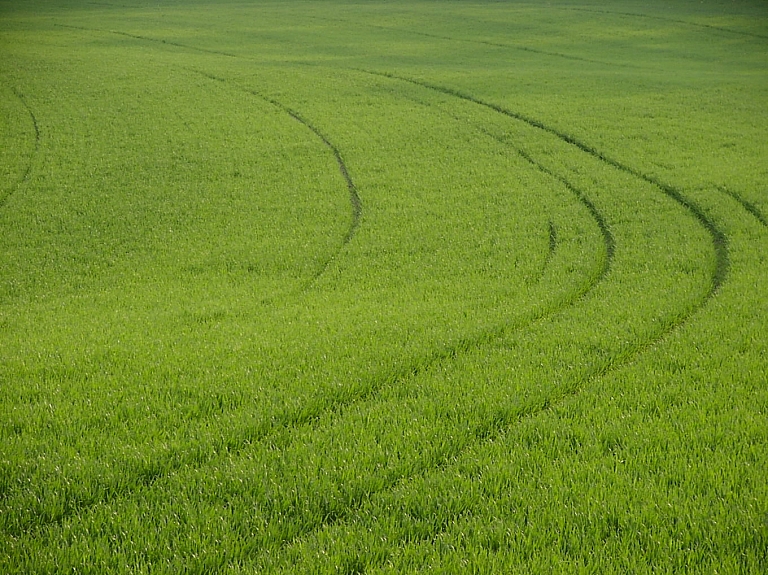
673	20
719	275
503	420
718	237
354	197
310	412
485	43
35	151
748	206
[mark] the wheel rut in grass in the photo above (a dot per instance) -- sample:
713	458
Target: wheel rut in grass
746	205
486	430
518	47
672	20
355	202
718	238
506	418
150	472
551	249
35	150
501	422
156	40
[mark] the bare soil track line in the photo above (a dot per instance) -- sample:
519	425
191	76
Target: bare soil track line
28	170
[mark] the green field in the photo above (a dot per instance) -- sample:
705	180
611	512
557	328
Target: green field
383	287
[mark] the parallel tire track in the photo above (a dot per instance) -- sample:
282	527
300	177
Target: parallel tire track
748	206
484	42
505	418
153	471
357	207
502	420
150	39
310	412
551	249
718	238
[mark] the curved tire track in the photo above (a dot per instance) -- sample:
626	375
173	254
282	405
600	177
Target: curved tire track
150	472
665	19
551	249
357	207
483	42
748	206
150	39
506	418
493	427
354	198
310	412
718	238
28	170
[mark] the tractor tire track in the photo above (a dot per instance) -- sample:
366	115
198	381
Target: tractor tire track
327	404
489	429
673	20
483	42
156	40
357	207
506	418
551	249
354	197
718	238
748	206
36	149
503	422
149	472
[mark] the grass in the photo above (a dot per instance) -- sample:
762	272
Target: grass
351	287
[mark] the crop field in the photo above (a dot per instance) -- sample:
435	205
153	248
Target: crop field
383	286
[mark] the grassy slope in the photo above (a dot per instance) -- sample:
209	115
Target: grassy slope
540	348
